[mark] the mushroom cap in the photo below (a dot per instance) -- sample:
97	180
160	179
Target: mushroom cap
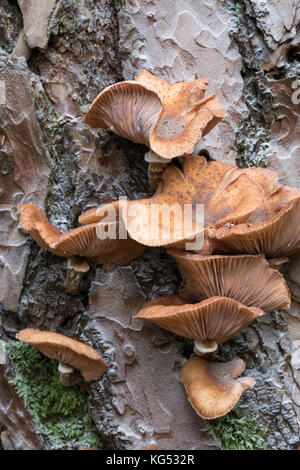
217	318
264	177
66	350
160	220
272	228
186	115
80	241
213	388
245	278
129	109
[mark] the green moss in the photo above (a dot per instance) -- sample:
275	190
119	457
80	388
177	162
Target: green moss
60	413
239	431
238	9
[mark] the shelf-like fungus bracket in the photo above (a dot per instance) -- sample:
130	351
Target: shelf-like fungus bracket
213	388
67	351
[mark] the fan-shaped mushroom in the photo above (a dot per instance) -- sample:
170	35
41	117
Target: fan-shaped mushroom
67	351
129	109
81	241
162	219
272	228
210	322
169	118
213	388
186	115
245	278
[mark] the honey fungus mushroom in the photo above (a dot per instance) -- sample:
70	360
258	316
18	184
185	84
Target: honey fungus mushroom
161	219
209	323
70	353
213	388
246	278
81	241
170	119
272	228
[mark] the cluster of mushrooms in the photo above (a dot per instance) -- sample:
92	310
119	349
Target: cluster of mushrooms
250	229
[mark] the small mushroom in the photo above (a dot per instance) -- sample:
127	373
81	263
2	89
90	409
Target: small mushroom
81	241
245	278
210	322
213	388
68	352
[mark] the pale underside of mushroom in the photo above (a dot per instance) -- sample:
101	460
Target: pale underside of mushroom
169	118
245	278
81	241
216	319
129	109
214	388
67	351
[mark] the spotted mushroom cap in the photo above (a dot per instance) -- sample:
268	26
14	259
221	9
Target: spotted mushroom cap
245	278
272	228
67	351
186	115
82	241
160	219
169	118
216	318
213	388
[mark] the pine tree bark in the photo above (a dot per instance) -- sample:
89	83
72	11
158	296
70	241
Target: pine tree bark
50	71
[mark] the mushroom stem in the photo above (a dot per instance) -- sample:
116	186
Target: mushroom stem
75	271
155	168
207	346
66	374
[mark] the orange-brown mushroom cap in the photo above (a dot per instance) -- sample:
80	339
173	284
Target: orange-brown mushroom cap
245	278
81	241
161	219
214	388
272	228
186	115
216	319
129	109
67	351
169	118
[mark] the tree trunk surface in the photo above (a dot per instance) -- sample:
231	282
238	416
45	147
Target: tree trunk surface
50	71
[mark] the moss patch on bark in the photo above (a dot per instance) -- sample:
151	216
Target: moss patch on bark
60	413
